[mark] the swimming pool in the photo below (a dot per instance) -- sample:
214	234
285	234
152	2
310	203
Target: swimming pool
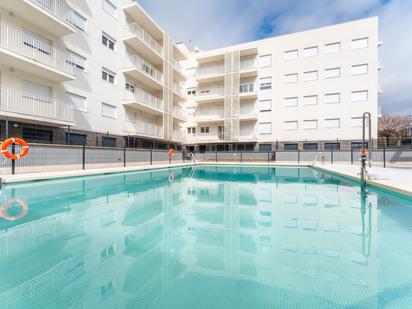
210	237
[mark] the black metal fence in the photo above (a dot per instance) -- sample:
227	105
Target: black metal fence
52	158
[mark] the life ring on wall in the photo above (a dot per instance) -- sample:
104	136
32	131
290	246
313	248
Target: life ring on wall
363	151
171	153
4	209
14	140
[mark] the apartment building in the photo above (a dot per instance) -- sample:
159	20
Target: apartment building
95	72
103	73
306	90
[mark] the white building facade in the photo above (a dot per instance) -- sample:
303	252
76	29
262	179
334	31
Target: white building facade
102	73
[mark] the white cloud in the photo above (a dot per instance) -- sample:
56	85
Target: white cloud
218	23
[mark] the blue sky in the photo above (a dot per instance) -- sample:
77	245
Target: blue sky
217	23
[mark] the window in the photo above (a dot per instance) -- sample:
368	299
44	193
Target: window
265	128
290	102
130	86
310	75
332	146
37	135
265	105
265	147
360	69
358	145
191	130
332	123
310	124
310	100
310	51
76	61
360	43
332	73
38	43
36	92
291	78
78	102
310	146
266	83
246	88
108	76
291	54
76	139
191	91
108	41
109	7
109	110
290	146
331	98
204	130
78	20
108	141
290	125
332	48
265	61
356	121
361	95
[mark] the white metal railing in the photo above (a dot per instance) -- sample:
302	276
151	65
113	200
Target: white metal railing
178	66
178	135
248	64
210	70
178	111
146	68
148	129
217	91
21	102
144	97
178	89
24	44
136	29
58	8
247	88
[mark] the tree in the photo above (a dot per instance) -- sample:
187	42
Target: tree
393	127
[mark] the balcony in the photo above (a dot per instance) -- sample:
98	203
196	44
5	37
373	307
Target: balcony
15	103
179	93
179	114
143	43
210	73
20	51
53	16
210	94
248	91
144	101
144	129
248	68
143	71
178	71
205	138
216	117
177	136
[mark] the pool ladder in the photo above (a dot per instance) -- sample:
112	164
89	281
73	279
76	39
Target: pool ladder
366	151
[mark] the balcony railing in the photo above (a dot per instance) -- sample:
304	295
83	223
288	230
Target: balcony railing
149	129
178	112
145	98
27	46
146	68
211	70
178	89
218	91
247	88
178	66
58	8
137	30
30	104
248	64
177	135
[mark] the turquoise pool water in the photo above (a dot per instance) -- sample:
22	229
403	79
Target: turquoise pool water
214	237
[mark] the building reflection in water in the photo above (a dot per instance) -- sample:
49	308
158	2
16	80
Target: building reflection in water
281	235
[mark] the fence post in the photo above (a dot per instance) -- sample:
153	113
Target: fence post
351	156
274	156
151	156
268	157
216	157
331	156
124	156
384	155
84	156
13	162
241	157
298	156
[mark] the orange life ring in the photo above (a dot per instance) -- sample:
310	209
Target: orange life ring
171	153
363	151
13	140
4	209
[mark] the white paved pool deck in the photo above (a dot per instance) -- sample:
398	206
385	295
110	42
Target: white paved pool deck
394	179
